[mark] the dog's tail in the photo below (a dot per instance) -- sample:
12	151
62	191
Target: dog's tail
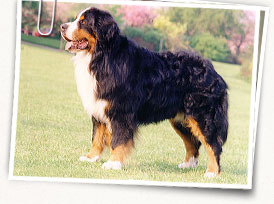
221	119
221	111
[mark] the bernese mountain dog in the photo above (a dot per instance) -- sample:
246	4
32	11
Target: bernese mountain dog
123	86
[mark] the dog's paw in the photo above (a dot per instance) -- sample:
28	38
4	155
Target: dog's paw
117	165
192	163
210	175
86	159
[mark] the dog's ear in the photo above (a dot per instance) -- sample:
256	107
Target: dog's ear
103	24
108	32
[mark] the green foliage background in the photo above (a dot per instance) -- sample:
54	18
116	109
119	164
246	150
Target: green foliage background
207	31
151	37
211	47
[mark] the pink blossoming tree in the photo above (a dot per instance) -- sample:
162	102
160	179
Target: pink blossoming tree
137	16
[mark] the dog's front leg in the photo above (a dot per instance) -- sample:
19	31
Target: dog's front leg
100	135
120	145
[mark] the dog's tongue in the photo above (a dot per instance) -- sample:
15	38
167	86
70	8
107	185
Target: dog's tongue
68	45
81	44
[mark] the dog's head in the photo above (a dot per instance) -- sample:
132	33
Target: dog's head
91	27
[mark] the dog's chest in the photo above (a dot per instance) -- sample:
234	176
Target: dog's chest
87	86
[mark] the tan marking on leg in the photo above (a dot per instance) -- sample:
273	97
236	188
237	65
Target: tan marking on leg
108	136
98	141
108	125
190	147
120	152
212	163
118	155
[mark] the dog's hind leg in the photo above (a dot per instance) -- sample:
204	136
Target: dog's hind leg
100	135
213	152
192	145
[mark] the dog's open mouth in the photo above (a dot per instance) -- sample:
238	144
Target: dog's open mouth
77	44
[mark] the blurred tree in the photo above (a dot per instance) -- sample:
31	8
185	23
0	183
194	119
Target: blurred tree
172	28
211	47
174	32
65	12
241	36
247	62
236	26
137	16
29	15
188	16
115	12
147	37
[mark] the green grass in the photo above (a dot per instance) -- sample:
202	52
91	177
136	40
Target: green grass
45	41
53	130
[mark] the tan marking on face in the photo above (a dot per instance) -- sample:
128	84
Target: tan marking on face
82	18
196	131
180	117
79	34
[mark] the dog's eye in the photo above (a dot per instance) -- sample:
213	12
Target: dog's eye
83	22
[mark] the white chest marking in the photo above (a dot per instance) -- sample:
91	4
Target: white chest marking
86	87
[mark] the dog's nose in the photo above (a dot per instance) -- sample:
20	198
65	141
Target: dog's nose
63	26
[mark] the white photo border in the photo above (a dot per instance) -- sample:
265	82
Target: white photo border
254	100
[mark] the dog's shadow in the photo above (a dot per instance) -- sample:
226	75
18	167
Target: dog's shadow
163	166
167	167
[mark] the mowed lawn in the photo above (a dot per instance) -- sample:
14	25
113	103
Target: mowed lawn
53	130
